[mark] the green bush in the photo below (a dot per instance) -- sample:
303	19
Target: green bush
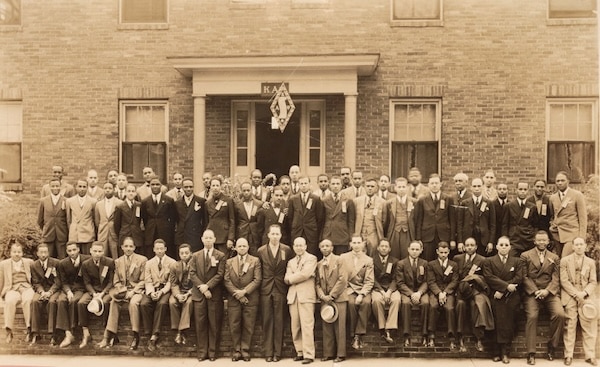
18	223
591	191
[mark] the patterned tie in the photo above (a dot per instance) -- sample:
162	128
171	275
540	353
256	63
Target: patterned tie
335	198
159	265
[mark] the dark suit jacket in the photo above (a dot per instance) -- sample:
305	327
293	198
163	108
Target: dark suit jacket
338	225
249	279
405	279
499	275
273	269
248	228
440	280
266	217
500	210
306	222
39	280
384	279
176	277
159	220
430	219
127	222
520	230
191	222
332	281
545	212
478	283
70	276
95	278
221	218
392	207
486	217
52	220
541	276
210	274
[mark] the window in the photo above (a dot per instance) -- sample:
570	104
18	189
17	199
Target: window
144	11
409	11
572	125
415	136
144	136
11	126
560	9
10	12
314	136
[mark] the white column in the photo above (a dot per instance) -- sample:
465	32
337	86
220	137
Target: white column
199	140
350	131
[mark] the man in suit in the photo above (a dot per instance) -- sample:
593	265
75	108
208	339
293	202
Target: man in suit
80	218
246	218
332	281
111	176
340	214
361	279
221	217
276	213
301	298
356	189
66	189
15	287
323	182
128	218
52	220
159	216
93	190
371	213
411	281
259	191
504	273
44	280
542	202
97	272
385	291
121	187
478	220
458	209
400	221
294	175
540	287
442	280
155	300
71	281
489	192
500	210
570	215
243	274
306	215
180	302
191	217
578	281
415	188
177	191
104	218
273	290
471	296
433	220
345	175
205	193
128	287
144	190
286	185
519	221
207	268
384	188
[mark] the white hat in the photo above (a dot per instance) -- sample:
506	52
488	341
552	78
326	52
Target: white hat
588	310
96	306
329	312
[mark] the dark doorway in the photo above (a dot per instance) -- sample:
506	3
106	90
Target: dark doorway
276	151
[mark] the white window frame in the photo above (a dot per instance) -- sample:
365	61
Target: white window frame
417	22
14	185
151	25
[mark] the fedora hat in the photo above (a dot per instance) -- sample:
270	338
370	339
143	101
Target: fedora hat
329	312
96	306
588	310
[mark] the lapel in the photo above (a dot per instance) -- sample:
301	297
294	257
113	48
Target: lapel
471	205
236	265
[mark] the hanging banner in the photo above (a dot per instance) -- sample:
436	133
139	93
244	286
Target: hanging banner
282	108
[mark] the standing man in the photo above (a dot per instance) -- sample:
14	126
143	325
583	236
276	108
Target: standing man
180	303
385	291
540	287
80	218
286	185
294	174
243	275
93	190
578	280
258	190
570	215
177	191
111	176
361	279
400	223
489	191
206	177
159	216
66	189
478	220
371	213
104	214
144	190
52	220
276	213
128	218
301	298
500	208
356	189
306	215
542	202
433	220
44	280
191	217
246	218
121	186
519	221
221	217
340	214
207	268
323	191
384	188
416	188
345	175
15	287
274	257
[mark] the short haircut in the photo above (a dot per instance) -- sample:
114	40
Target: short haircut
401	179
274	225
542	232
443	244
284	177
128	239
417	242
434	175
539	180
563	173
43	244
184	245
54	179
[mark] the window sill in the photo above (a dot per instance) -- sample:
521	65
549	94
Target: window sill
417	23
573	21
143	26
11	28
11	186
248	5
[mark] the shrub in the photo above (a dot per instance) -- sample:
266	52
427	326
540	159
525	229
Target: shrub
591	191
18	223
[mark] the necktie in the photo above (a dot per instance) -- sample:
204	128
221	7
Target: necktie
504	259
298	260
44	266
369	202
97	262
241	264
541	257
435	200
159	265
335	197
304	199
414	265
155	199
178	193
501	202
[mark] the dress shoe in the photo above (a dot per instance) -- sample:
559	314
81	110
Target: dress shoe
406	342
183	339
9	336
591	361
84	341
34	339
103	343
212	359
479	346
152	345
531	359
297	358
68	340
235	358
28	335
203	358
307	361
339	359
387	337
178	338
568	361
276	358
355	343
452	346
497	359
53	342
550	354
246	359
269	359
431	343
424	341
325	359
505	359
135	343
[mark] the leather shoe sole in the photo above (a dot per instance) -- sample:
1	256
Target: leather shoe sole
298	358
591	361
325	359
307	361
568	361
339	359
276	358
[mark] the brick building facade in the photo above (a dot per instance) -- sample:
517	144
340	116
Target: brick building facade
448	85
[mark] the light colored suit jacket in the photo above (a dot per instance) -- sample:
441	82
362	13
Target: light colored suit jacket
300	275
52	219
541	276
568	275
350	192
153	277
361	278
132	277
105	223
332	281
6	274
379	210
248	279
570	215
81	219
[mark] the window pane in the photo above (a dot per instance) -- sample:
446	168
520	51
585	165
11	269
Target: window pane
10	162
400	113
145	123
242	138
572	8
315	119
10	12
407	155
242	157
315	157
315	138
136	156
415	122
577	159
11	121
144	11
242	119
157	159
416	9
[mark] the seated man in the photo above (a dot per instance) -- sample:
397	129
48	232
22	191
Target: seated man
442	279
44	279
15	283
385	291
158	290
412	284
128	287
180	302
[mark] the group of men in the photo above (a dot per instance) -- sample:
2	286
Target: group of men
357	247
